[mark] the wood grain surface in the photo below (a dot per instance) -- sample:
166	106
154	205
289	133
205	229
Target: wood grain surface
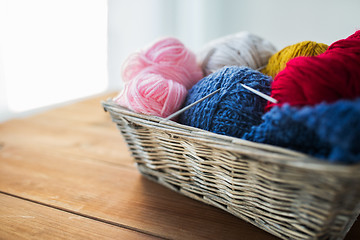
22	219
67	173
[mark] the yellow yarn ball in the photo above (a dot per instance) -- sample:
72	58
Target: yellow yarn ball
277	62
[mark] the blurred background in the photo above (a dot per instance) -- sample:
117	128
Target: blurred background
54	52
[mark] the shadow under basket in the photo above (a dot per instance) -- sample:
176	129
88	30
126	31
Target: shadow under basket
288	194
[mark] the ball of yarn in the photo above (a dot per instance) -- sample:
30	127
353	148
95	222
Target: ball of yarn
326	131
241	49
328	77
168	53
233	110
156	80
277	62
151	93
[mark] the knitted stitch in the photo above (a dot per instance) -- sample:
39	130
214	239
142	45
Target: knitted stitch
233	110
327	131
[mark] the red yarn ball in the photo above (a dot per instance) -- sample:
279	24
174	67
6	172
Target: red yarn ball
328	77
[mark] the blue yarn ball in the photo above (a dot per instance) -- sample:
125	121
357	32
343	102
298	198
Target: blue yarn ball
233	110
326	131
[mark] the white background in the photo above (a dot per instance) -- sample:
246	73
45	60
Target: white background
55	52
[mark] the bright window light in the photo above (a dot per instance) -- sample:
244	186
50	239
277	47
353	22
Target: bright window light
53	51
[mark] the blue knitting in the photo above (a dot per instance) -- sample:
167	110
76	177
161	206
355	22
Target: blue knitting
327	131
233	110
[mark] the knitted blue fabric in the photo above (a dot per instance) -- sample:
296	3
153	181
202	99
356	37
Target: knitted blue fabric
327	131
233	110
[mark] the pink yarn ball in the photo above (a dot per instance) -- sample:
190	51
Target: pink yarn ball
157	79
150	93
168	52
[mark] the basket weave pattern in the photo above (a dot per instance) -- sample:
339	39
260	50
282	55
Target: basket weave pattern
288	194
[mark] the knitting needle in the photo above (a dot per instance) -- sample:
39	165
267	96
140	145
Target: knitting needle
190	105
270	99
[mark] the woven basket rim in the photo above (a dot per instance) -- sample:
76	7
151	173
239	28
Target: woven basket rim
267	152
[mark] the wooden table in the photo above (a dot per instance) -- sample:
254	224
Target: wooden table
67	174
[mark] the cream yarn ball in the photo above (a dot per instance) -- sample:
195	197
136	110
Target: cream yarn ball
240	49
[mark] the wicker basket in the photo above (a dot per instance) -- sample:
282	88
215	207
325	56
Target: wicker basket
286	193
